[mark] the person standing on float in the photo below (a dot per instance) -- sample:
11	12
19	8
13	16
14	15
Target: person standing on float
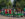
5	12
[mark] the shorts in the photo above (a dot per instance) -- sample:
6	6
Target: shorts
24	14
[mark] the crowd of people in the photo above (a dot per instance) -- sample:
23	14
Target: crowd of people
13	12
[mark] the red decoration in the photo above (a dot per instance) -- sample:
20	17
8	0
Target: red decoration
5	11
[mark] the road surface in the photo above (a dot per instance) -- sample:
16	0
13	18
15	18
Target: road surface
5	17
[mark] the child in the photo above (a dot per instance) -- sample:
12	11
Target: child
24	12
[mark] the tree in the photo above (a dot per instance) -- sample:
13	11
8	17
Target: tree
21	4
2	3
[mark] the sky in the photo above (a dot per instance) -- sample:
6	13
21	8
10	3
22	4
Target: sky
12	1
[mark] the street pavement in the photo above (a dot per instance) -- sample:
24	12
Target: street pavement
5	17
